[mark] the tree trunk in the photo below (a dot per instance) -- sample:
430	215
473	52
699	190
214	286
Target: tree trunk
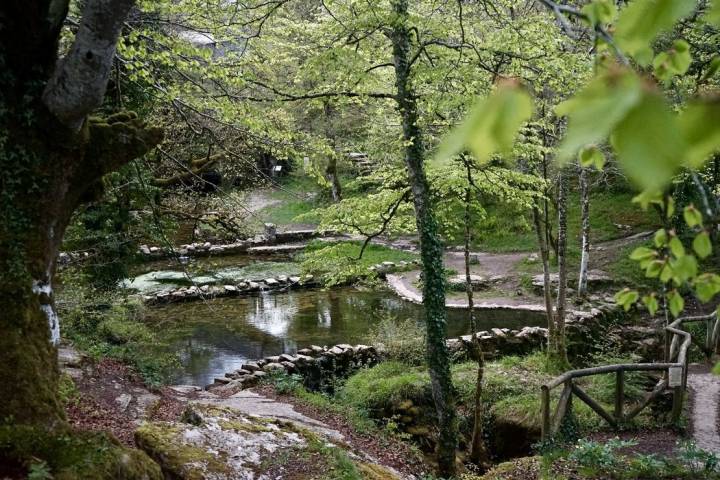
478	452
545	259
585	234
431	250
51	159
332	176
558	350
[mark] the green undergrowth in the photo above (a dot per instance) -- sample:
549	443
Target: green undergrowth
511	391
66	454
106	325
338	263
610	460
297	195
514	233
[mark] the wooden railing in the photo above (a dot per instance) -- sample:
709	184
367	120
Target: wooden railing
677	344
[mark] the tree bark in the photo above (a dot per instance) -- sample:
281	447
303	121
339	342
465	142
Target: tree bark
332	176
431	250
47	168
585	233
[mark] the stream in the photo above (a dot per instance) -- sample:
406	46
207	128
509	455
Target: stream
217	336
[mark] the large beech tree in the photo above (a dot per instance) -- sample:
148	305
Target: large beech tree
52	157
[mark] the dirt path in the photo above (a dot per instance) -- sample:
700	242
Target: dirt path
705	389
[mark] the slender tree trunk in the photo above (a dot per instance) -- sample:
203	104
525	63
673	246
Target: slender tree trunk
558	350
478	452
545	259
332	176
431	250
585	234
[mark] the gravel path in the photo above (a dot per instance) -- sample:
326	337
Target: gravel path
705	389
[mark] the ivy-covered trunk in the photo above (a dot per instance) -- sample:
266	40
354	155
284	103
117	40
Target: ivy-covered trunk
51	160
431	250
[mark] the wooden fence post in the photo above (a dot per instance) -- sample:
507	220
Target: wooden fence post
545	400
619	395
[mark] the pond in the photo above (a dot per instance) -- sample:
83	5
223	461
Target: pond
218	336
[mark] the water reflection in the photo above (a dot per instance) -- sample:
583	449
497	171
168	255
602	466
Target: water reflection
217	336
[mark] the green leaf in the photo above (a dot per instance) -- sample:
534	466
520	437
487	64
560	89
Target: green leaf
592	156
651	303
661	238
676	247
702	245
692	216
676	61
600	11
707	286
626	298
594	112
676	303
684	268
643	253
699	124
653	269
648	162
642	20
490	127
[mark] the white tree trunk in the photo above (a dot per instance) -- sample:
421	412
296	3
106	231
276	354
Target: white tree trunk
585	220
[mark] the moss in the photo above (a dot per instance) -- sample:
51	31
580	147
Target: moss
72	455
239	426
179	459
526	467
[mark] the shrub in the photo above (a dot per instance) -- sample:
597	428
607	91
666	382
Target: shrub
401	340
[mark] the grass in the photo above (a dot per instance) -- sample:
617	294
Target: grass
297	195
510	232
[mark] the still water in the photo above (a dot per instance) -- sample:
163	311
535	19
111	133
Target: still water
217	336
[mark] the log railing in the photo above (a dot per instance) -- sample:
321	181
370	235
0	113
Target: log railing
677	344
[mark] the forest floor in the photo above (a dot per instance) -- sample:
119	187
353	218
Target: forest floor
108	396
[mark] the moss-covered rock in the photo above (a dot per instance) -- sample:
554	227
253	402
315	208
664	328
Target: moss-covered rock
226	445
73	455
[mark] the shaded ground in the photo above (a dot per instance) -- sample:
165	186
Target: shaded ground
109	396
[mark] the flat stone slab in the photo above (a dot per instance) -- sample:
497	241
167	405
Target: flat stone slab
251	403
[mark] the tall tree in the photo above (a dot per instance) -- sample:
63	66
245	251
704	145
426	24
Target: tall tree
431	250
584	232
52	157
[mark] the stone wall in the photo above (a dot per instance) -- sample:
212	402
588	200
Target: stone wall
320	367
244	287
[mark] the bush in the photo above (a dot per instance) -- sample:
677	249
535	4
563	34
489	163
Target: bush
401	340
379	388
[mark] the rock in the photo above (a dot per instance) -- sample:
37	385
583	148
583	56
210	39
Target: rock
144	249
250	367
287	358
271	282
69	357
123	401
185	389
230	288
273	367
221	380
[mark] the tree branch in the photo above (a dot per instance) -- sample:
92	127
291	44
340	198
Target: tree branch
78	84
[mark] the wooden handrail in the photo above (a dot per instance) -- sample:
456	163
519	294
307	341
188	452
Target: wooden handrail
679	337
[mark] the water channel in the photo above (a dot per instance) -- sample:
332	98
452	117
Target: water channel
217	336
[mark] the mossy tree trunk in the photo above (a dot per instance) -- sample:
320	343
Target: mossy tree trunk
431	250
51	160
